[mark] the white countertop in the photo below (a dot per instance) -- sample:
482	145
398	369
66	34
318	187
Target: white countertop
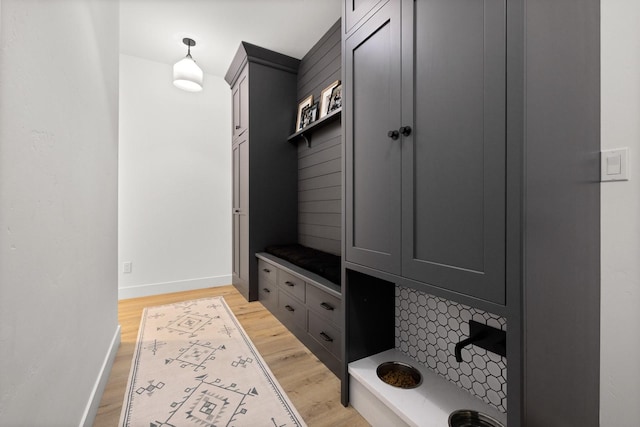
428	405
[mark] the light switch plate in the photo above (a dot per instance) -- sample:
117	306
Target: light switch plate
614	165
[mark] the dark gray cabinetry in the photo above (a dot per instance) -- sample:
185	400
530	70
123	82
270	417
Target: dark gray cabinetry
240	94
499	187
240	214
372	108
453	161
307	304
263	88
428	204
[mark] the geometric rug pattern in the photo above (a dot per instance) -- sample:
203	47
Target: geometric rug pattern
194	365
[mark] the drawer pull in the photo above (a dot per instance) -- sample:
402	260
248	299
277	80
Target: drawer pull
326	337
267	290
290	284
289	308
237	127
266	270
327	306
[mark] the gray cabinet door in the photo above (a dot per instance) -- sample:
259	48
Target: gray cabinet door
372	109
240	263
453	199
240	100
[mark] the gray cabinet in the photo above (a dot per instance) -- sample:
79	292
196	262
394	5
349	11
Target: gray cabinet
263	89
428	204
373	161
240	215
308	305
240	95
499	185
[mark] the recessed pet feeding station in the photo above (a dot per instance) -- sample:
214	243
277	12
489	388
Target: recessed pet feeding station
399	374
186	73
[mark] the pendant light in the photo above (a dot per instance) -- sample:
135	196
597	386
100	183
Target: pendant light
186	73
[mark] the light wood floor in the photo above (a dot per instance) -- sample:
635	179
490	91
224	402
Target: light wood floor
313	389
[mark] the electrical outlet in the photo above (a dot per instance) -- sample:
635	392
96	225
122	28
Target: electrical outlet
126	267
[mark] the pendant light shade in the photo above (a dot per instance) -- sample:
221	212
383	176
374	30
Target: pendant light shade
186	73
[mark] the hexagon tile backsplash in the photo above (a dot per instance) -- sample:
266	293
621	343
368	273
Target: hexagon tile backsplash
427	330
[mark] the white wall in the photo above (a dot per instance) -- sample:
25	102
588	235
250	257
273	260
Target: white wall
620	341
174	181
58	208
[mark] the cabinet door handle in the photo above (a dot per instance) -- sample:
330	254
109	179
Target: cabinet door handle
267	290
289	308
266	270
290	284
237	127
405	130
327	306
393	134
326	337
236	211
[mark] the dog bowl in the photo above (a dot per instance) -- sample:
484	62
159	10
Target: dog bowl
399	375
468	418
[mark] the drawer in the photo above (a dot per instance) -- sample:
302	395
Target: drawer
325	333
292	312
267	272
292	284
268	294
324	304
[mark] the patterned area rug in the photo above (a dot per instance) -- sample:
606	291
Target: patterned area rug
194	365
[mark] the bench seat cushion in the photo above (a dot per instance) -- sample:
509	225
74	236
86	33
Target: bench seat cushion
321	263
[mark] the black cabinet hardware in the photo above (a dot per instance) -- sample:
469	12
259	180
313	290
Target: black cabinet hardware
326	337
289	308
290	284
327	306
393	134
267	290
237	127
405	130
266	270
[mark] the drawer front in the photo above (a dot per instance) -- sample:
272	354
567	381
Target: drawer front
267	272
292	284
268	294
291	311
325	333
325	305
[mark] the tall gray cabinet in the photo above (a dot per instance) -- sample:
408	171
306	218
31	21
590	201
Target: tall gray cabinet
426	144
263	87
471	173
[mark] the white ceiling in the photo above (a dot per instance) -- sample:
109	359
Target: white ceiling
154	29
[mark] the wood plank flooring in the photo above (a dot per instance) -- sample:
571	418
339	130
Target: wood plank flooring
313	388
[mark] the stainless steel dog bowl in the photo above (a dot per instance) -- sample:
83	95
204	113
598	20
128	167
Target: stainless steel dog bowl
399	375
469	418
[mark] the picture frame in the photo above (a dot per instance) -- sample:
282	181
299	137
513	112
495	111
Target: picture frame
324	98
335	99
308	115
307	102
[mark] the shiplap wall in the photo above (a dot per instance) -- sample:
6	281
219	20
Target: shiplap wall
319	166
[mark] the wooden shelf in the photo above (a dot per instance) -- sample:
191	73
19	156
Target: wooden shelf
305	133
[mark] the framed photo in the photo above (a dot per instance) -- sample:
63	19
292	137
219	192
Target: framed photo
335	99
305	103
324	98
308	115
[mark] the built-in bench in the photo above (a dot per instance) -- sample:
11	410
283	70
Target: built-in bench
308	304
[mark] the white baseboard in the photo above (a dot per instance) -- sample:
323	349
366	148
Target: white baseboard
91	410
168	287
